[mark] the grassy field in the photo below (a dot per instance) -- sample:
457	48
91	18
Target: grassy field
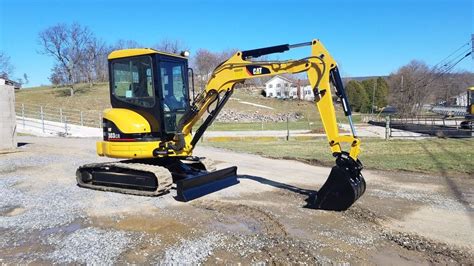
439	156
86	98
96	98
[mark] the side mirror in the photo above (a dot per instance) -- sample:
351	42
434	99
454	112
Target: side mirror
191	72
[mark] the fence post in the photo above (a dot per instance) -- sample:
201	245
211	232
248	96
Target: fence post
65	126
307	118
42	117
82	119
287	129
387	127
61	115
23	114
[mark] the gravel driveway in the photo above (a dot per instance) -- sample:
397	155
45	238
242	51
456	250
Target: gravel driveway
403	217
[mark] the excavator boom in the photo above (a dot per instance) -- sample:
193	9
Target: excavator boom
345	183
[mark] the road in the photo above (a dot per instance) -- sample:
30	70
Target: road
403	217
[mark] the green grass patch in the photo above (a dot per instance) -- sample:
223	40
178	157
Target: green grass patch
439	156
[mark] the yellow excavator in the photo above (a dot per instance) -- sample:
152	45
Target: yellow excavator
151	122
468	123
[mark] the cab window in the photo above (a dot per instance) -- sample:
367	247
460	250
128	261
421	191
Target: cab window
133	81
173	86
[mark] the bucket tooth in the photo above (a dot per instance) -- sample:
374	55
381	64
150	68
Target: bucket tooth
343	187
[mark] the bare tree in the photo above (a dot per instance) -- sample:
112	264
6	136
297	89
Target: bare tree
6	68
170	46
66	44
416	84
58	76
93	65
204	63
446	87
408	87
125	44
25	78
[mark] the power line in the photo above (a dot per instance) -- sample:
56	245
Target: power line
440	62
452	59
439	75
446	65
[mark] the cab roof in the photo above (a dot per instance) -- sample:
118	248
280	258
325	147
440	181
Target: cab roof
138	51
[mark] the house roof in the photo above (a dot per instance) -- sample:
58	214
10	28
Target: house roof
278	76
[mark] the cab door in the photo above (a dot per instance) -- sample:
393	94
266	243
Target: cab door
174	91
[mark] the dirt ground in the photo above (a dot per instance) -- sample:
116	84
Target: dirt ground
403	218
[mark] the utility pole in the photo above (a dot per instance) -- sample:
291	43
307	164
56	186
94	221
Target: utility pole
472	46
373	97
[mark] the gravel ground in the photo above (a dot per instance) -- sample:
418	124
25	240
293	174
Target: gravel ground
403	218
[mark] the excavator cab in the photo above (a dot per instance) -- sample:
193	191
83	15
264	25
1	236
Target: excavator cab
469	117
154	86
470	102
149	94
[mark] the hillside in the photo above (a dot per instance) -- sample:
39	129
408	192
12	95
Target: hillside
246	106
86	98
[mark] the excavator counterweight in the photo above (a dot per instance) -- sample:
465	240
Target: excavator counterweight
152	119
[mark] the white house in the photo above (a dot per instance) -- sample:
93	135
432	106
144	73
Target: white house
278	87
461	99
307	93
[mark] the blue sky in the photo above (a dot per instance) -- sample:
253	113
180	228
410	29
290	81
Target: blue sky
366	37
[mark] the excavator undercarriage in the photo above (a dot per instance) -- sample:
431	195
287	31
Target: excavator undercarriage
155	177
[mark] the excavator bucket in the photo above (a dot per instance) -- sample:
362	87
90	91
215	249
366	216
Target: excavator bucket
343	187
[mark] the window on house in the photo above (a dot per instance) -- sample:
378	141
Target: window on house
270	86
278	85
278	93
286	93
286	84
270	94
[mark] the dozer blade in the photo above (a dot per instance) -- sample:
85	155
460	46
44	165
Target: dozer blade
343	187
202	183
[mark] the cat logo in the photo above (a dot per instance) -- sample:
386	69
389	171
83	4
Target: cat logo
257	71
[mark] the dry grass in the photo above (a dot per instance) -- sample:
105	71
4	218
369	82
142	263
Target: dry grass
85	98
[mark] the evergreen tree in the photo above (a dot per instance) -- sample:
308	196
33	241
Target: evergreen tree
357	96
380	87
381	93
369	86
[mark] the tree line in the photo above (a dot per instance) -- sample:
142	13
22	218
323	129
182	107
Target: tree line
367	95
408	89
81	57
